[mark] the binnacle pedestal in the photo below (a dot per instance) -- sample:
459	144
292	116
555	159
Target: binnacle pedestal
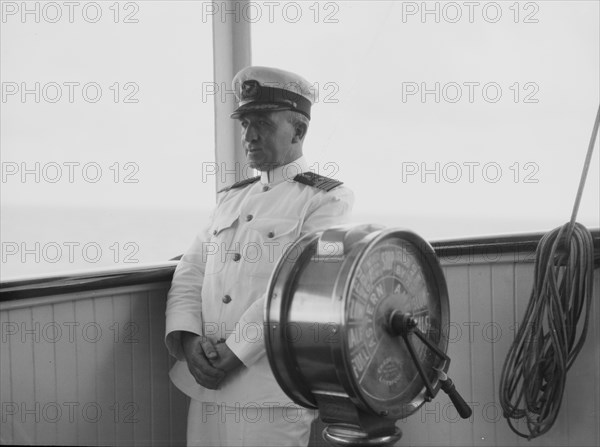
353	327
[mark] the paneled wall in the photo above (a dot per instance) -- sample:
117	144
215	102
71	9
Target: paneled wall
91	368
486	299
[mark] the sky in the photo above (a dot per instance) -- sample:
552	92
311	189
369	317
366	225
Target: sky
451	118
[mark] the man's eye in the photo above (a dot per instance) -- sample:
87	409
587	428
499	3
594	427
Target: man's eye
244	124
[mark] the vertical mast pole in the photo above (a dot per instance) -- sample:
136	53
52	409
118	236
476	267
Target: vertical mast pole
231	53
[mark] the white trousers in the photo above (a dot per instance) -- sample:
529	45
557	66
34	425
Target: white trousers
251	425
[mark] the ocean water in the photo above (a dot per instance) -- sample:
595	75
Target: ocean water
38	241
49	240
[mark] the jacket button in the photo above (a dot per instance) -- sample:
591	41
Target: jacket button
214	232
249	217
226	299
237	257
265	188
271	234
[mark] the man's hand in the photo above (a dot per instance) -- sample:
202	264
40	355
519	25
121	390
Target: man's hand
199	352
226	359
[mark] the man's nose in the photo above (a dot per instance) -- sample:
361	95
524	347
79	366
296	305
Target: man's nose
250	133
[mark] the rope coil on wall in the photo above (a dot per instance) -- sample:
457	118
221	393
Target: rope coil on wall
549	337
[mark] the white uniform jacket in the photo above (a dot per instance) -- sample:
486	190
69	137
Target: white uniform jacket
219	286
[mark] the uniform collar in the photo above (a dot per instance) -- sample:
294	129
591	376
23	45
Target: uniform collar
284	172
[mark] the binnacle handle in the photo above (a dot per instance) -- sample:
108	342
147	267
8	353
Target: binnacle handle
459	403
403	324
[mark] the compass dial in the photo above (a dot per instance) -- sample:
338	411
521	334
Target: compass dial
390	276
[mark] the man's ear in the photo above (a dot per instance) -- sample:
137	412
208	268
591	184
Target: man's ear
299	132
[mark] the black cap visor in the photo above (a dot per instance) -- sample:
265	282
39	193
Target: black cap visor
257	98
258	107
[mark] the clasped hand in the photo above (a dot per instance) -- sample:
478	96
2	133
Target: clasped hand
208	362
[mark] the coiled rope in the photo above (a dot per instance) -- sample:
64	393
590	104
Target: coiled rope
549	338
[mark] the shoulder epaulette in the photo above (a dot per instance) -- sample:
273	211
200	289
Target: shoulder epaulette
318	181
241	183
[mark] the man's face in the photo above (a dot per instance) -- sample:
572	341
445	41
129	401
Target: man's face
267	139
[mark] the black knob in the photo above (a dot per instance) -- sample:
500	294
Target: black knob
461	406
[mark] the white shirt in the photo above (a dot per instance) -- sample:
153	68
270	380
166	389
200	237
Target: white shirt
220	284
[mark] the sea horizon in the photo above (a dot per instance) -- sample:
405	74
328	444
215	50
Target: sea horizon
44	240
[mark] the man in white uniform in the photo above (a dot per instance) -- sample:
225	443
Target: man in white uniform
215	306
